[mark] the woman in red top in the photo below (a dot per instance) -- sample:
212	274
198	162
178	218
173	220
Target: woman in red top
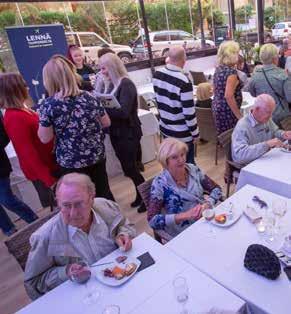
21	124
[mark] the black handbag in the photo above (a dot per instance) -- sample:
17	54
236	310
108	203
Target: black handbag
262	261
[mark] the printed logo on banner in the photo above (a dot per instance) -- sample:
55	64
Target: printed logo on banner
32	47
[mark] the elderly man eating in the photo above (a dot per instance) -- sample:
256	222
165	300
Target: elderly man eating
86	229
256	133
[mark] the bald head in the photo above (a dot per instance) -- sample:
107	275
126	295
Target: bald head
177	56
263	108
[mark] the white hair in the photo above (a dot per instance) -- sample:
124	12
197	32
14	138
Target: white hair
267	53
264	100
228	53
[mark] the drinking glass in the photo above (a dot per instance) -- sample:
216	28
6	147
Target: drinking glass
111	309
181	292
279	208
91	294
208	214
270	222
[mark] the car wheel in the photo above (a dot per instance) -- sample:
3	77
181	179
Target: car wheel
125	57
165	52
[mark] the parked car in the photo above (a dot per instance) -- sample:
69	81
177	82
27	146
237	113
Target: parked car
281	30
252	37
91	42
161	41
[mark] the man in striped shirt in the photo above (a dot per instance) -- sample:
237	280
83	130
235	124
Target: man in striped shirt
174	94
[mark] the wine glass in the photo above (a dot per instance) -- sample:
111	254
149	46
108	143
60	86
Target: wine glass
270	222
111	309
279	208
208	214
82	276
181	292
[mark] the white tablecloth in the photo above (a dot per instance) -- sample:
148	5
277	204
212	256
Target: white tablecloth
68	297
271	172
221	256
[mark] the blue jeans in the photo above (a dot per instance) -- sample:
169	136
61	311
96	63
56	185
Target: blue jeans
190	154
11	202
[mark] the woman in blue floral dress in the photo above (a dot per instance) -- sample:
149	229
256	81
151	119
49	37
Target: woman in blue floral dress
227	88
76	120
177	193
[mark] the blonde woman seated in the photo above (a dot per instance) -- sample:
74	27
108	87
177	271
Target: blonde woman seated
177	198
204	93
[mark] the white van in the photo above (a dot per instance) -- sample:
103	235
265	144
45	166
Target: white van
281	30
91	42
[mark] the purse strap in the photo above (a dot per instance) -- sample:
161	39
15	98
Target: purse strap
280	97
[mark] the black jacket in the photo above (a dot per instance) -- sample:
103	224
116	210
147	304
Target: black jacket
5	166
125	121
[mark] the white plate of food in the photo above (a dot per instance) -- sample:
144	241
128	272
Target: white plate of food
118	272
226	216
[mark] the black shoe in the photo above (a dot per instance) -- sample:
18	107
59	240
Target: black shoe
140	166
136	203
142	208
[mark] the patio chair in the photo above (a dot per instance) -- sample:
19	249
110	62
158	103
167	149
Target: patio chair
207	129
145	192
286	123
198	77
232	168
18	244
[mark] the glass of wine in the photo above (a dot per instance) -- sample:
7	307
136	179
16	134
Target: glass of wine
279	208
82	275
181	292
208	214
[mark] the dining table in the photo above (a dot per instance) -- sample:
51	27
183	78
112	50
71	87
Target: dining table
219	251
142	291
271	172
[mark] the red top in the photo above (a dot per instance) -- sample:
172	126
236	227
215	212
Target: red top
35	158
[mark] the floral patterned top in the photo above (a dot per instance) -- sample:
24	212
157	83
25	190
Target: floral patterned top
223	115
79	135
167	199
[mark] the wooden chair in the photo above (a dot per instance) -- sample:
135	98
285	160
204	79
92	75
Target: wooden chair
231	167
207	129
18	244
286	123
145	192
198	77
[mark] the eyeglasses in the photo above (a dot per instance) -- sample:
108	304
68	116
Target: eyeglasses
77	205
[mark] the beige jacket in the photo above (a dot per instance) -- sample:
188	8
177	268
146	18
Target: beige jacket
51	250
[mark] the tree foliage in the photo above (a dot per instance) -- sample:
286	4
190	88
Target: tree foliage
242	14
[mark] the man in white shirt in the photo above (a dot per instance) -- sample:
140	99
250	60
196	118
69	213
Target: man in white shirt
86	229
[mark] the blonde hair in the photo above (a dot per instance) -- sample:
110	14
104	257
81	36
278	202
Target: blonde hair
267	53
13	91
169	147
59	79
204	91
115	67
228	53
78	179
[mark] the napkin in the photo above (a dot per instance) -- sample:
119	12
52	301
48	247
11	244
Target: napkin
252	214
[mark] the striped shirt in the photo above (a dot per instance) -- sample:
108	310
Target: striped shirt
174	95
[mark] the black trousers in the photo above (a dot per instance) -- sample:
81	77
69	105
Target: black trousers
45	194
98	175
126	150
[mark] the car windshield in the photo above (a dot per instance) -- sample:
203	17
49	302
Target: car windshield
279	26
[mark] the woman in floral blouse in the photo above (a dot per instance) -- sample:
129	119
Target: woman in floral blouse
76	118
177	198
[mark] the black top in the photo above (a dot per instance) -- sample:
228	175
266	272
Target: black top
5	166
125	121
207	103
85	72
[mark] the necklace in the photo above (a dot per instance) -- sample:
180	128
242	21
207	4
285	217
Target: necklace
183	181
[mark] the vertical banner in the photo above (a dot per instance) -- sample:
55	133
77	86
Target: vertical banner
32	47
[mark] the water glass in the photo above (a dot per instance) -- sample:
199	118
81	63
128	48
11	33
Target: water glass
181	292
279	208
270	222
111	309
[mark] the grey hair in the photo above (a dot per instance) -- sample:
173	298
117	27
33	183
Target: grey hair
115	67
77	179
267	53
264	100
